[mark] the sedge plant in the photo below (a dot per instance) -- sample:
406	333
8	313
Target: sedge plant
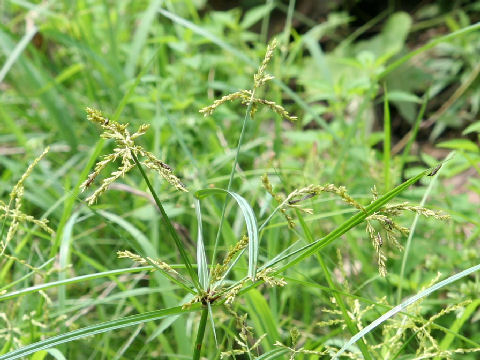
212	285
209	283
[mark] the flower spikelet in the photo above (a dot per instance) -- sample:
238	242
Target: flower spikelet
220	269
125	150
157	264
164	170
247	97
294	199
399	208
243	94
314	190
13	211
294	351
232	293
377	243
260	78
391	229
280	199
243	337
26	174
270	280
280	110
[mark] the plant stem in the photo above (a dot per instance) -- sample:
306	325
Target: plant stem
170	227
246	119
386	140
201	332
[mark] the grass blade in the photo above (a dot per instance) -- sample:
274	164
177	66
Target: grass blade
17	51
250	220
170	227
96	329
212	323
386	141
203	276
404	305
74	280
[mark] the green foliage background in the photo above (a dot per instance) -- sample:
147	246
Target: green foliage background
160	62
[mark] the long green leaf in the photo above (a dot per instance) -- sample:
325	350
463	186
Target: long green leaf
17	51
64	256
250	220
170	228
74	280
97	329
201	255
26	276
404	305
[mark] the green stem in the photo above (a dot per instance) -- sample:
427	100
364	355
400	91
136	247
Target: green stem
246	119
170	227
386	140
201	332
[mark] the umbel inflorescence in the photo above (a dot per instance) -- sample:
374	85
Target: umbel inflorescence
388	228
248	98
125	150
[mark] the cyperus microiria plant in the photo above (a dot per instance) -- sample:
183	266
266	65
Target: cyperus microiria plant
210	286
129	154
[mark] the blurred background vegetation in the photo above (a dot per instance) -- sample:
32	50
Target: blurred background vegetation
159	62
